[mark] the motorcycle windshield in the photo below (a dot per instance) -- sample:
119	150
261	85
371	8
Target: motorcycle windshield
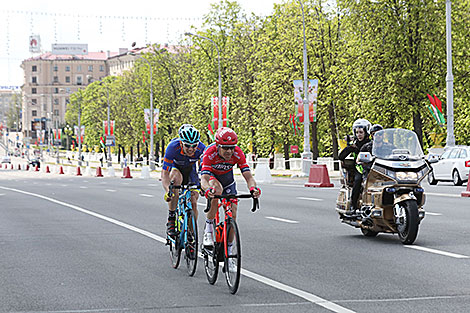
397	144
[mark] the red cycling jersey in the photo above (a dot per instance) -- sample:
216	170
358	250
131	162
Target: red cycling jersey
214	164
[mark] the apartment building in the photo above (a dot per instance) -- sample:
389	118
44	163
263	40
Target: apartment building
49	80
7	102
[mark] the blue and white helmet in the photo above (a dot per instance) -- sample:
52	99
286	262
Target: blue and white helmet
189	134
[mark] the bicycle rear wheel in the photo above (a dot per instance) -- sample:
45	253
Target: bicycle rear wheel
233	259
190	247
175	246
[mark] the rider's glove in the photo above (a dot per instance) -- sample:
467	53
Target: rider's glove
252	190
210	190
167	197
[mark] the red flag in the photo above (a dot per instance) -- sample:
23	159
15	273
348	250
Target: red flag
215	110
438	103
143	136
210	128
431	99
300	114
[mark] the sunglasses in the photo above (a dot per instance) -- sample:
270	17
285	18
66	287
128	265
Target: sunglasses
187	145
228	147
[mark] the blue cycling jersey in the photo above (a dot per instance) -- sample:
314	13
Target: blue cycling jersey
174	156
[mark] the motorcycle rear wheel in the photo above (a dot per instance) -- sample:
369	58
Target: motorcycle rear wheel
408	230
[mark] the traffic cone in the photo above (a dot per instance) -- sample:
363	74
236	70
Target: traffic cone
98	172
27	167
126	173
37	169
61	170
47	169
79	172
318	176
467	192
11	166
19	167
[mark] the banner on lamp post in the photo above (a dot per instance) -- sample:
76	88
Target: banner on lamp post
215	112
312	99
225	109
156	116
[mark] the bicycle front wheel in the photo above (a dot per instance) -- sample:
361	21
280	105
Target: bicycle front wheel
175	246
190	246
233	257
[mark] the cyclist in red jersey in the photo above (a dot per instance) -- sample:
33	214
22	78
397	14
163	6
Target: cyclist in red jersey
217	175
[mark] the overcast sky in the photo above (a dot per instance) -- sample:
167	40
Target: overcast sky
103	25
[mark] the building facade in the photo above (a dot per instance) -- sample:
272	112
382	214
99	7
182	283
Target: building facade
7	103
49	80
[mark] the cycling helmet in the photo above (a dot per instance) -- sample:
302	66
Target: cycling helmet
226	136
361	123
189	134
376	128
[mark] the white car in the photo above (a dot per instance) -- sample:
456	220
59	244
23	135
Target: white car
453	165
6	159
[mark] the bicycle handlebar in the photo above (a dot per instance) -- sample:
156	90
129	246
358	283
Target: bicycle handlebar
172	186
253	209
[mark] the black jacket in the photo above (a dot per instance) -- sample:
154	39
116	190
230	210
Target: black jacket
351	149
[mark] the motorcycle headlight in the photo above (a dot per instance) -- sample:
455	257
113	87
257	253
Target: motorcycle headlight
407	176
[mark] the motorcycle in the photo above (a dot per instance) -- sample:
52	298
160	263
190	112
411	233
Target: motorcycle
392	198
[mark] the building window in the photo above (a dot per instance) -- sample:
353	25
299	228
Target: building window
56	90
67	90
34	101
56	101
79	80
67	68
90	79
56	79
90	68
34	80
34	90
101	68
34	113
56	68
67	79
67	101
34	68
79	68
56	112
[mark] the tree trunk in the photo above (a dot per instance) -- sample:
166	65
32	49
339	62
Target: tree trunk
333	131
286	156
315	151
132	154
138	149
418	126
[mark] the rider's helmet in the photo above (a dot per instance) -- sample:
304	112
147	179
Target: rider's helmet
226	136
361	123
376	128
189	134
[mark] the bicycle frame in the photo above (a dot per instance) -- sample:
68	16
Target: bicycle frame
184	205
227	206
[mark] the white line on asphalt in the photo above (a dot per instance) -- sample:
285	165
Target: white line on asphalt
442	195
111	190
153	185
145	195
452	255
2	194
282	220
436	214
83	187
265	280
311	199
64	185
288	185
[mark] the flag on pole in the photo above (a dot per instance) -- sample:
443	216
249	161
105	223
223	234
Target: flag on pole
215	112
436	109
210	132
102	142
225	107
143	136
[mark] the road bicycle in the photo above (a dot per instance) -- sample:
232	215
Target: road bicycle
186	237
227	245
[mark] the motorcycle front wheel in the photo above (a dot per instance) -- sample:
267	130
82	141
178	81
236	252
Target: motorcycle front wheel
409	222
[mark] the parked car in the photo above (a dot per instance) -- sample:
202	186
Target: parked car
6	159
453	165
35	162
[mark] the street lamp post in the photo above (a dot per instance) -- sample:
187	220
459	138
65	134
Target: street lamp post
80	131
450	140
220	78
306	154
151	159
109	126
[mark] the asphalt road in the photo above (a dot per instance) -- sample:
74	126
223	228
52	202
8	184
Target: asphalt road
74	244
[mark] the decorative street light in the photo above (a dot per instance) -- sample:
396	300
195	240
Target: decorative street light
109	122
306	154
152	160
220	78
450	140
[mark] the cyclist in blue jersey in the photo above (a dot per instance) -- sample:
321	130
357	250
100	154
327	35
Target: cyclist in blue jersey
179	166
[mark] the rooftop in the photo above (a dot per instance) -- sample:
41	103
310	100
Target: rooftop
96	56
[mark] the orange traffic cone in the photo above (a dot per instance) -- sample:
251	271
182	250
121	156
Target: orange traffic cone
27	167
467	192
126	173
98	172
12	166
37	169
318	176
61	171
79	173
47	169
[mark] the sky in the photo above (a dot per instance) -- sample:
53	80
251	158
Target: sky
103	25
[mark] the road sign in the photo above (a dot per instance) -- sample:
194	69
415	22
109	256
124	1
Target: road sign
110	141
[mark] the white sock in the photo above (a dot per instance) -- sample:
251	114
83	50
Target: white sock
210	225
229	248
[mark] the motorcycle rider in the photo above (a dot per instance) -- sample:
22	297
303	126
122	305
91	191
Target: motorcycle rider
360	128
381	146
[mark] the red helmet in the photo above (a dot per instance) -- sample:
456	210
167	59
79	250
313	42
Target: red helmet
226	136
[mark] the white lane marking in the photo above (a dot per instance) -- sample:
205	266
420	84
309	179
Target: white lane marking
442	195
153	185
2	194
111	190
311	199
265	280
287	185
64	185
282	220
431	213
83	187
145	195
452	255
